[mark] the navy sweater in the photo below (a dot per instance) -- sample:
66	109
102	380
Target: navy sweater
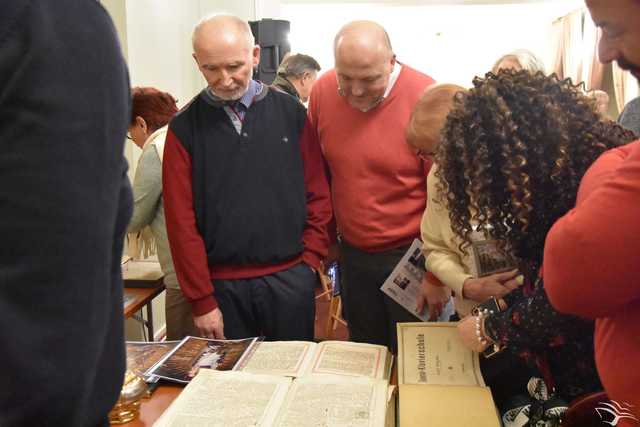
65	202
242	205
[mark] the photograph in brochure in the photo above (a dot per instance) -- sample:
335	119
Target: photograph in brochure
192	354
403	285
142	356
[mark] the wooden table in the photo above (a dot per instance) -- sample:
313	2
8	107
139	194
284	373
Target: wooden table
143	282
139	298
152	408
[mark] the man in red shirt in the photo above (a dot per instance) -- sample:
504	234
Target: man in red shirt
592	257
359	111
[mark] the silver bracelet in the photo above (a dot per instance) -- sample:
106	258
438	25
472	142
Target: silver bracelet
482	314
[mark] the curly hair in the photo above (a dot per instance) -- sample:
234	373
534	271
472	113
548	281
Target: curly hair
514	149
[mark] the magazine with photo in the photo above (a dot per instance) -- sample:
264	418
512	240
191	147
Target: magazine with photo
404	283
142	356
193	353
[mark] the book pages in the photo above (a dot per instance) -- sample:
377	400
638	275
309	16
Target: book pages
352	359
334	401
288	358
433	353
227	399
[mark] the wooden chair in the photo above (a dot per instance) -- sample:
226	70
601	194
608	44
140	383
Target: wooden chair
335	309
335	317
325	282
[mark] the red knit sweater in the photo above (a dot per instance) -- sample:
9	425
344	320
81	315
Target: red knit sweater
378	184
592	268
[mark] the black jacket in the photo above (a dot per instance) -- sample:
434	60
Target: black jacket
65	202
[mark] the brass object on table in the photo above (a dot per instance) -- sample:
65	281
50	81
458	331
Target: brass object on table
127	408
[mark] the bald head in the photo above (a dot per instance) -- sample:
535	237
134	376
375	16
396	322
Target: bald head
364	61
223	28
362	36
224	50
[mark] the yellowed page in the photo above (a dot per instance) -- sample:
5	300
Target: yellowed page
289	358
351	359
450	406
226	399
433	353
331	400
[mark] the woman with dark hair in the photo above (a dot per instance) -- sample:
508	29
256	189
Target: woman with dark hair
513	151
150	114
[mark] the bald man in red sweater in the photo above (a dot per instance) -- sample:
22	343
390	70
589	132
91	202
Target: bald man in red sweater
592	254
359	111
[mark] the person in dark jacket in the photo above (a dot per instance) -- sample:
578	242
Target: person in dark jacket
296	75
65	201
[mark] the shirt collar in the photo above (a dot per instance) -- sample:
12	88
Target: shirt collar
252	91
254	88
393	77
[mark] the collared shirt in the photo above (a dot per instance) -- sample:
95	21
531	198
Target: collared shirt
392	79
236	110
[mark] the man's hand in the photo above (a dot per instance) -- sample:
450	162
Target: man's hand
496	285
434	296
210	325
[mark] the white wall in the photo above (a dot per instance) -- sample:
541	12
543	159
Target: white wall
450	43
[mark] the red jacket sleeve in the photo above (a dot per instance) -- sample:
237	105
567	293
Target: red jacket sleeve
187	247
591	257
315	237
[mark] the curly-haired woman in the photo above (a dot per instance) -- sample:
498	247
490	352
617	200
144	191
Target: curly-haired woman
513	151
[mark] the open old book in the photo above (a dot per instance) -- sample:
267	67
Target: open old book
216	398
303	358
182	361
292	383
437	375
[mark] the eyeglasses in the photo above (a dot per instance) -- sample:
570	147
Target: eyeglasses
129	137
424	155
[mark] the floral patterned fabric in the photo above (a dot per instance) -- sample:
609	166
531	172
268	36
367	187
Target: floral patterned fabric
559	346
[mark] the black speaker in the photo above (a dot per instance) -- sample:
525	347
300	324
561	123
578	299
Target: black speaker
272	35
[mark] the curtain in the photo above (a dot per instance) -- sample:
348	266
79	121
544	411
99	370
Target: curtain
592	68
557	46
572	45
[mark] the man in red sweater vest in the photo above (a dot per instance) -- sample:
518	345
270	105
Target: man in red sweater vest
359	111
592	257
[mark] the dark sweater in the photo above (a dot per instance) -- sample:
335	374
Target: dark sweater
242	205
65	202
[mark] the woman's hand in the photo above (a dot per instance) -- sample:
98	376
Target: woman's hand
434	296
467	330
496	285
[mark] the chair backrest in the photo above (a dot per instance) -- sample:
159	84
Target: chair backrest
583	412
